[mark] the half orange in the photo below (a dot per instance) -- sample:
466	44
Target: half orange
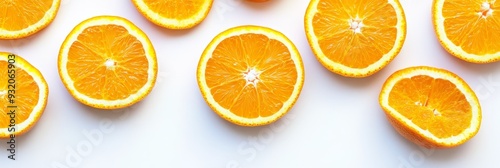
431	107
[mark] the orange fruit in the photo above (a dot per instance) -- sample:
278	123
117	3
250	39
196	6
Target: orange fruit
174	14
23	95
23	18
107	62
468	29
355	38
250	75
431	107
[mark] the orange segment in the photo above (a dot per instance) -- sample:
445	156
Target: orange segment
174	14
431	107
355	38
29	98
250	75
107	62
22	18
466	29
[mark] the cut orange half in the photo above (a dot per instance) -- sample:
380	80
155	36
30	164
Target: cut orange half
250	75
431	107
468	30
355	38
174	14
22	18
107	62
23	95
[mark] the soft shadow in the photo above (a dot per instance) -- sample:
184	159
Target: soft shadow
446	155
234	129
16	44
477	69
173	32
117	115
259	6
356	83
230	128
6	43
432	154
242	130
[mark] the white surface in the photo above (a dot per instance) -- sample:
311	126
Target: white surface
337	121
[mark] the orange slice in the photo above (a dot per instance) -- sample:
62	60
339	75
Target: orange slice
107	62
431	107
250	75
22	18
355	38
23	95
174	14
468	29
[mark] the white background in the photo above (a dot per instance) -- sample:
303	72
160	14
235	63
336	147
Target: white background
336	122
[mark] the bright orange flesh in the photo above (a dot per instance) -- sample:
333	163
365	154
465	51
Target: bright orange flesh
174	14
22	13
470	27
107	44
432	104
23	95
175	9
22	18
249	53
338	41
26	95
431	107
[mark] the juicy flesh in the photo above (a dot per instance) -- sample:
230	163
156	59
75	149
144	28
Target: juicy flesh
473	25
432	104
108	63
19	14
355	33
251	75
175	9
26	95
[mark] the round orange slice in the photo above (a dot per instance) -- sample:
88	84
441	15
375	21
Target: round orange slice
107	62
355	38
174	14
250	75
468	29
20	19
431	107
23	95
